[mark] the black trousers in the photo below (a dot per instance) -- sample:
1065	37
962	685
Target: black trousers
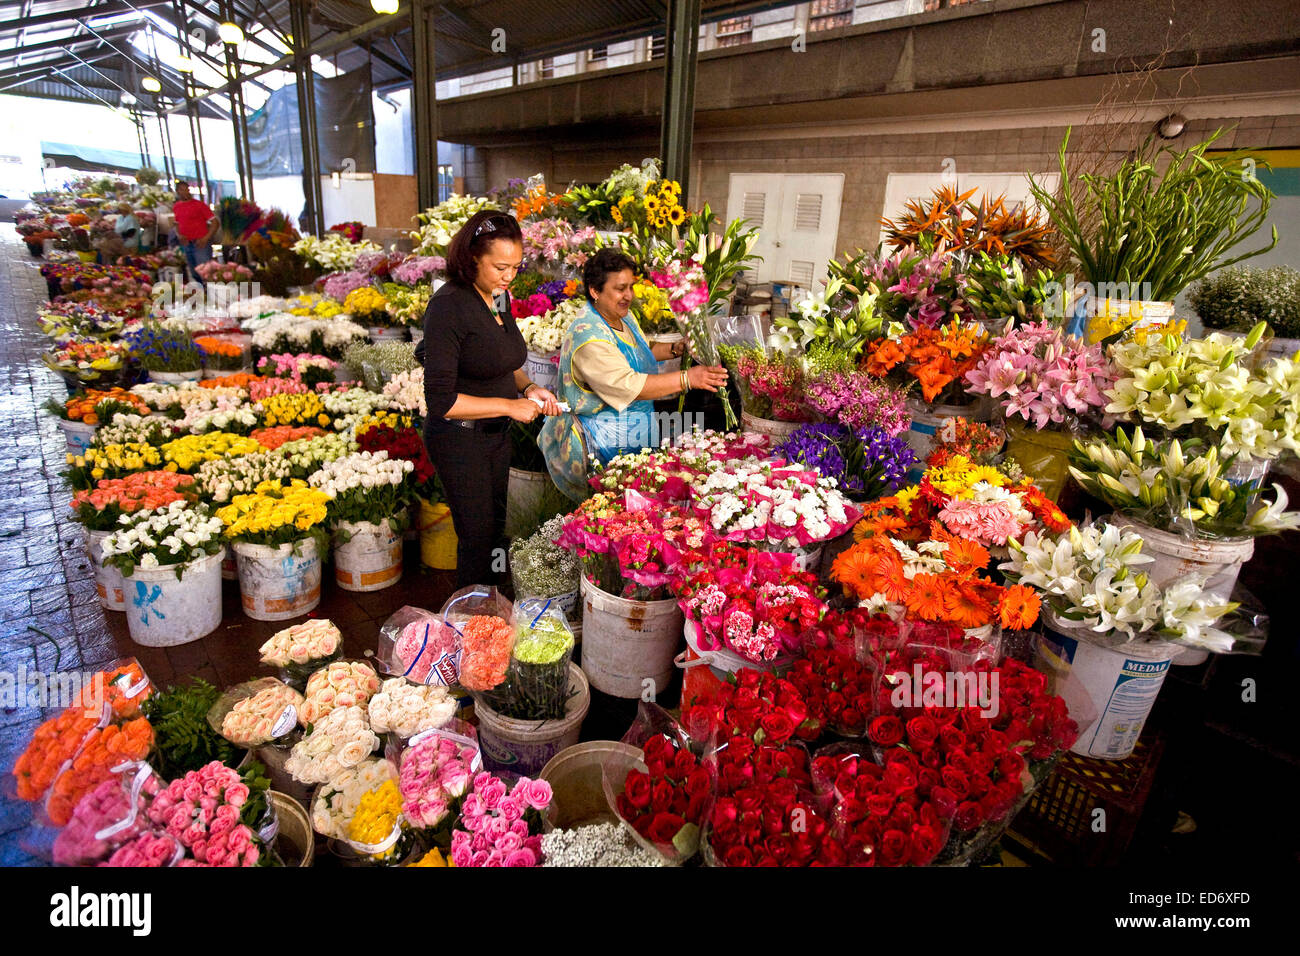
475	471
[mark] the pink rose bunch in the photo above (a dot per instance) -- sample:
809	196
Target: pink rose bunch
685	285
202	810
497	826
288	365
147	849
253	720
1043	375
341	684
435	772
108	804
258	390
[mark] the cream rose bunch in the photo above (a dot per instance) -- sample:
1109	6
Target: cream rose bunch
342	739
406	709
302	643
341	684
254	720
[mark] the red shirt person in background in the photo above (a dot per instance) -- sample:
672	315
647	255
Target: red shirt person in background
196	226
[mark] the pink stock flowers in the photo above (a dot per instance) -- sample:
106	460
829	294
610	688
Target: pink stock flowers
499	826
1043	375
435	773
859	400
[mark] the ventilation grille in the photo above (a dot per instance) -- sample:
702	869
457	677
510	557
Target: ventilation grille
808	212
801	273
754	208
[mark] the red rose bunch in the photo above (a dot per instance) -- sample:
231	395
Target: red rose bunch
759	706
405	443
882	815
836	688
671	795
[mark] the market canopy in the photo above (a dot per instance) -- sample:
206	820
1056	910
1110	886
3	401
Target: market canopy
97	159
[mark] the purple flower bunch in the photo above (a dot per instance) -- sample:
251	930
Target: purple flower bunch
416	269
865	462
922	290
859	400
337	285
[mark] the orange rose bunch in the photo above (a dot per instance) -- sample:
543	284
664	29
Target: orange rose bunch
99	508
934	357
54	743
272	438
94	764
81	408
486	643
238	380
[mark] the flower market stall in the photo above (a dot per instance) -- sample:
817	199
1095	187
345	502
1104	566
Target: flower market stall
946	539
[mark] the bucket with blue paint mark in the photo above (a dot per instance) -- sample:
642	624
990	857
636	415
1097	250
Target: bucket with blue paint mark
162	611
276	584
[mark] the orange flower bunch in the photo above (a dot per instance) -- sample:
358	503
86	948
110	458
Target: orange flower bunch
238	380
78	219
536	202
81	408
934	357
486	642
272	438
215	346
938	581
54	742
94	764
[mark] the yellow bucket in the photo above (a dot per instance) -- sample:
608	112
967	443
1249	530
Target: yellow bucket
437	537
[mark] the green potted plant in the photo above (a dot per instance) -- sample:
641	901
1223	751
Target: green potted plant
1236	299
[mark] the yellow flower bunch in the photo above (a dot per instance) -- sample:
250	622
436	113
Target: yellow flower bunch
364	301
956	477
393	420
274	514
377	814
115	461
660	207
300	408
186	454
433	858
651	307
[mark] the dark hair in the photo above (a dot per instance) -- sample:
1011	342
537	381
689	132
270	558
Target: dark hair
472	240
602	264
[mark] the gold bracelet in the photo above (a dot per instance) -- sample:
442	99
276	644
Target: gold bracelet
686	381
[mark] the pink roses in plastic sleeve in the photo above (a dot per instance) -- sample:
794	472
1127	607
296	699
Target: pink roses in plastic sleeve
201	810
499	826
148	849
436	772
106	806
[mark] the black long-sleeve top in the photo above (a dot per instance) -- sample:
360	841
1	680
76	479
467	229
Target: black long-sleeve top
466	352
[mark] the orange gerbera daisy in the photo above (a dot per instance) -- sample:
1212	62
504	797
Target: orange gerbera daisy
856	570
925	597
965	606
966	557
1019	607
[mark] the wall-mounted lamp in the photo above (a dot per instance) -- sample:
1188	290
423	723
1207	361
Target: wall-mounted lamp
1171	126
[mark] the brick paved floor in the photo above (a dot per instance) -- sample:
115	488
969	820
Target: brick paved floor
46	584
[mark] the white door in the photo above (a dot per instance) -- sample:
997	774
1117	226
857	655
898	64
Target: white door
798	218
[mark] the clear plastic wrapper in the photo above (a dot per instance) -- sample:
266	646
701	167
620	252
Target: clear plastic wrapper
301	649
110	815
416	644
335	802
256	712
484	620
665	813
343	683
404	709
436	770
536	686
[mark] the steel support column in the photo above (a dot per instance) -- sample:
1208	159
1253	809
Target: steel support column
305	77
238	114
680	54
424	103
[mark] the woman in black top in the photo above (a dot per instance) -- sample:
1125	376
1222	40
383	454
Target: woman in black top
473	379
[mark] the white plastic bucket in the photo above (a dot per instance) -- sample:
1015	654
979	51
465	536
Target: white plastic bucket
722	662
229	567
274	583
1120	684
770	427
176	378
543	369
108	579
627	643
78	435
1177	557
523	498
164	612
928	419
370	560
381	333
526	746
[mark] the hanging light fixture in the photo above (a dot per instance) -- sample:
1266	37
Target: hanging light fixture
183	64
230	33
128	99
151	85
384	6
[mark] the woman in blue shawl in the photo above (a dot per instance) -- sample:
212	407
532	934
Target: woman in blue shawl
610	378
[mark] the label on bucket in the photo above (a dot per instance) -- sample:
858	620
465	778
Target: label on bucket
1124	690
